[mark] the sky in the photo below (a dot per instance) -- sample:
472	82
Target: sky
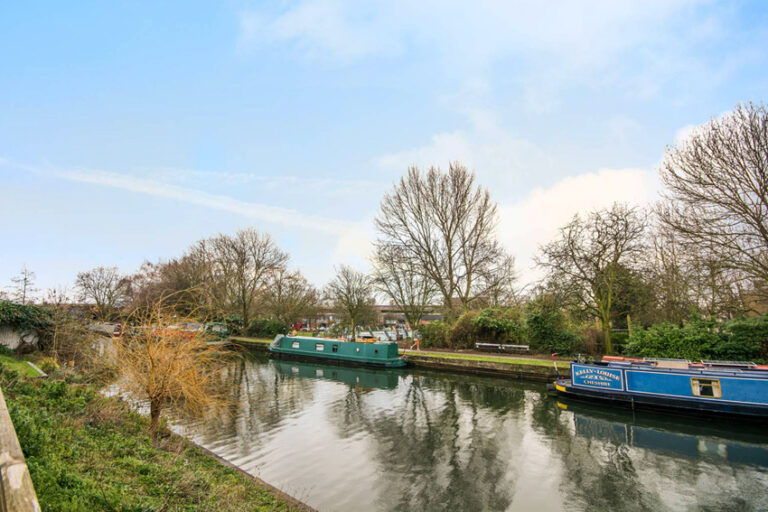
129	130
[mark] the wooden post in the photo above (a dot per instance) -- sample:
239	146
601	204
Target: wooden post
16	489
629	326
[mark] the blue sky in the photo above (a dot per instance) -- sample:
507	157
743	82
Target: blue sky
130	130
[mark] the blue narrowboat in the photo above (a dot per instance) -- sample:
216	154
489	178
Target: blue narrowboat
382	354
730	388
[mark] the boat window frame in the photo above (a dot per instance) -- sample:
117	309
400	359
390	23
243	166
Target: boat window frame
335	347
696	385
319	347
296	344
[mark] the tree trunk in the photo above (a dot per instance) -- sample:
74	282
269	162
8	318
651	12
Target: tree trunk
155	407
607	337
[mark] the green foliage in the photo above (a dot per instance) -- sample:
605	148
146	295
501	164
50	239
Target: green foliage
463	331
745	339
548	329
500	325
48	364
23	317
234	323
434	334
266	328
88	452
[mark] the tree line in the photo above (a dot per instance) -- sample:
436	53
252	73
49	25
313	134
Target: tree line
701	251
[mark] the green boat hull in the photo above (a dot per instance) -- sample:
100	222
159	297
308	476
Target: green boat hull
381	354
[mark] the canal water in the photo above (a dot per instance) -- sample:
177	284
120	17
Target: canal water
350	439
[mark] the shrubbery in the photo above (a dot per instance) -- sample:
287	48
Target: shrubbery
540	325
266	328
548	329
23	317
463	333
434	334
744	339
500	325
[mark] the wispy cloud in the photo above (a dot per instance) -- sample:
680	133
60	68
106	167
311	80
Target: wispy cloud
257	211
638	45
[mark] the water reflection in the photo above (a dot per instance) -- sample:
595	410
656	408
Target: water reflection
345	438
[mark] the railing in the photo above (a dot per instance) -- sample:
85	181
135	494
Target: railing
17	493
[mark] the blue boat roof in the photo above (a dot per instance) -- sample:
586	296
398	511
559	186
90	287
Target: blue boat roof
722	371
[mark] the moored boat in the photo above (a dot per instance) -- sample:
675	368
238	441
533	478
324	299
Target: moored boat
383	354
718	387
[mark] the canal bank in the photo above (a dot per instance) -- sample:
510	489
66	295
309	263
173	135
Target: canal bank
86	450
537	370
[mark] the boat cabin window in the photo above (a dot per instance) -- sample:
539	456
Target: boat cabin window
335	348
706	388
319	347
295	344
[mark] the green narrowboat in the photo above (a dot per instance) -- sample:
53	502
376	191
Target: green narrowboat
382	354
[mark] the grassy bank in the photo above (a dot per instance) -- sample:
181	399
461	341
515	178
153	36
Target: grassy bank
87	452
477	357
259	341
21	367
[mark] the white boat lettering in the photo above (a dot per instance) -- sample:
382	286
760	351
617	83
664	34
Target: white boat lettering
593	373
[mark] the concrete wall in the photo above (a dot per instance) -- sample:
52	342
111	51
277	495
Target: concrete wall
14	339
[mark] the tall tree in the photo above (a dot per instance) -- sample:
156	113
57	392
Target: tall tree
587	257
400	277
106	287
446	223
717	190
351	292
290	297
243	263
23	287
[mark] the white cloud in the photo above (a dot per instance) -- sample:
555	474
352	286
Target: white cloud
527	224
639	45
505	163
501	159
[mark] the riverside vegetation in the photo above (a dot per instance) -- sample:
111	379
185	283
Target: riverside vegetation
90	452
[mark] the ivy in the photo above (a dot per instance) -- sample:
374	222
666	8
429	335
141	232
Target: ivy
23	317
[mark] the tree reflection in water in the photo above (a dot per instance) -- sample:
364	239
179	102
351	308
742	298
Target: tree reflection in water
436	444
436	441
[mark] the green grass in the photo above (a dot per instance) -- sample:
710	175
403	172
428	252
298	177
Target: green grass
251	340
86	452
475	357
20	366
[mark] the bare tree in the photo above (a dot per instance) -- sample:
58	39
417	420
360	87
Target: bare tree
168	369
351	292
244	263
290	297
446	223
105	287
717	190
399	276
587	255
23	285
